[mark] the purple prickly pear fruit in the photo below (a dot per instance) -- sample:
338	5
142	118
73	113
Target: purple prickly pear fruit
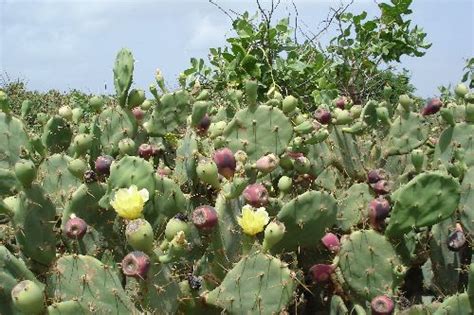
136	265
323	116
138	113
205	218
456	239
194	282
382	305
256	195
145	151
204	124
28	297
139	234
90	177
102	164
75	228
225	161
432	107
341	102
379	209
331	242
375	175
382	187
267	163
321	272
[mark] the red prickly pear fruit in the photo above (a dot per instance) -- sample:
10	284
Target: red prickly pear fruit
102	164
323	116
90	177
138	113
379	209
341	102
145	151
382	305
204	124
456	239
375	175
382	187
321	272
75	228
331	242
256	195
136	265
28	297
267	163
432	107
225	161
205	218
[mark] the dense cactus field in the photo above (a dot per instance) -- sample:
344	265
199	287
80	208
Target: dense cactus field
278	178
190	203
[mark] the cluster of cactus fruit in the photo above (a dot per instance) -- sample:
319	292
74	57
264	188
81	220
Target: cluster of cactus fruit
196	203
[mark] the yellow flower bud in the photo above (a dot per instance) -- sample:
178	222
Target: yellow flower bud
129	203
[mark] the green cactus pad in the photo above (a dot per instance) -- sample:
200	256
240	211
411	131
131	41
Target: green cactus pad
34	221
87	280
58	182
459	136
57	135
258	132
457	304
12	271
337	306
306	219
186	161
169	199
258	284
14	140
369	265
123	74
8	182
68	308
466	204
407	132
128	171
115	123
353	204
427	199
170	114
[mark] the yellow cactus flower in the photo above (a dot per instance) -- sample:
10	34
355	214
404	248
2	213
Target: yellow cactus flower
252	221
129	203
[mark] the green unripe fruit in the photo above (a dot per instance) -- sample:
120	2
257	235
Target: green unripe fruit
216	129
146	105
284	184
470	113
355	111
469	97
203	96
4	104
199	111
96	103
26	107
139	234
273	234
77	114
127	146
251	88
417	158
286	163
342	117
25	172
65	112
302	165
77	167
82	143
300	119
28	297
383	115
461	90
174	226
289	104
136	98
208	173
448	115
405	101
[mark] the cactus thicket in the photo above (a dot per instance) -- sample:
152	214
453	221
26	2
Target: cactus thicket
196	202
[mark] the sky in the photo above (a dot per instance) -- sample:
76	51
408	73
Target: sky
66	44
